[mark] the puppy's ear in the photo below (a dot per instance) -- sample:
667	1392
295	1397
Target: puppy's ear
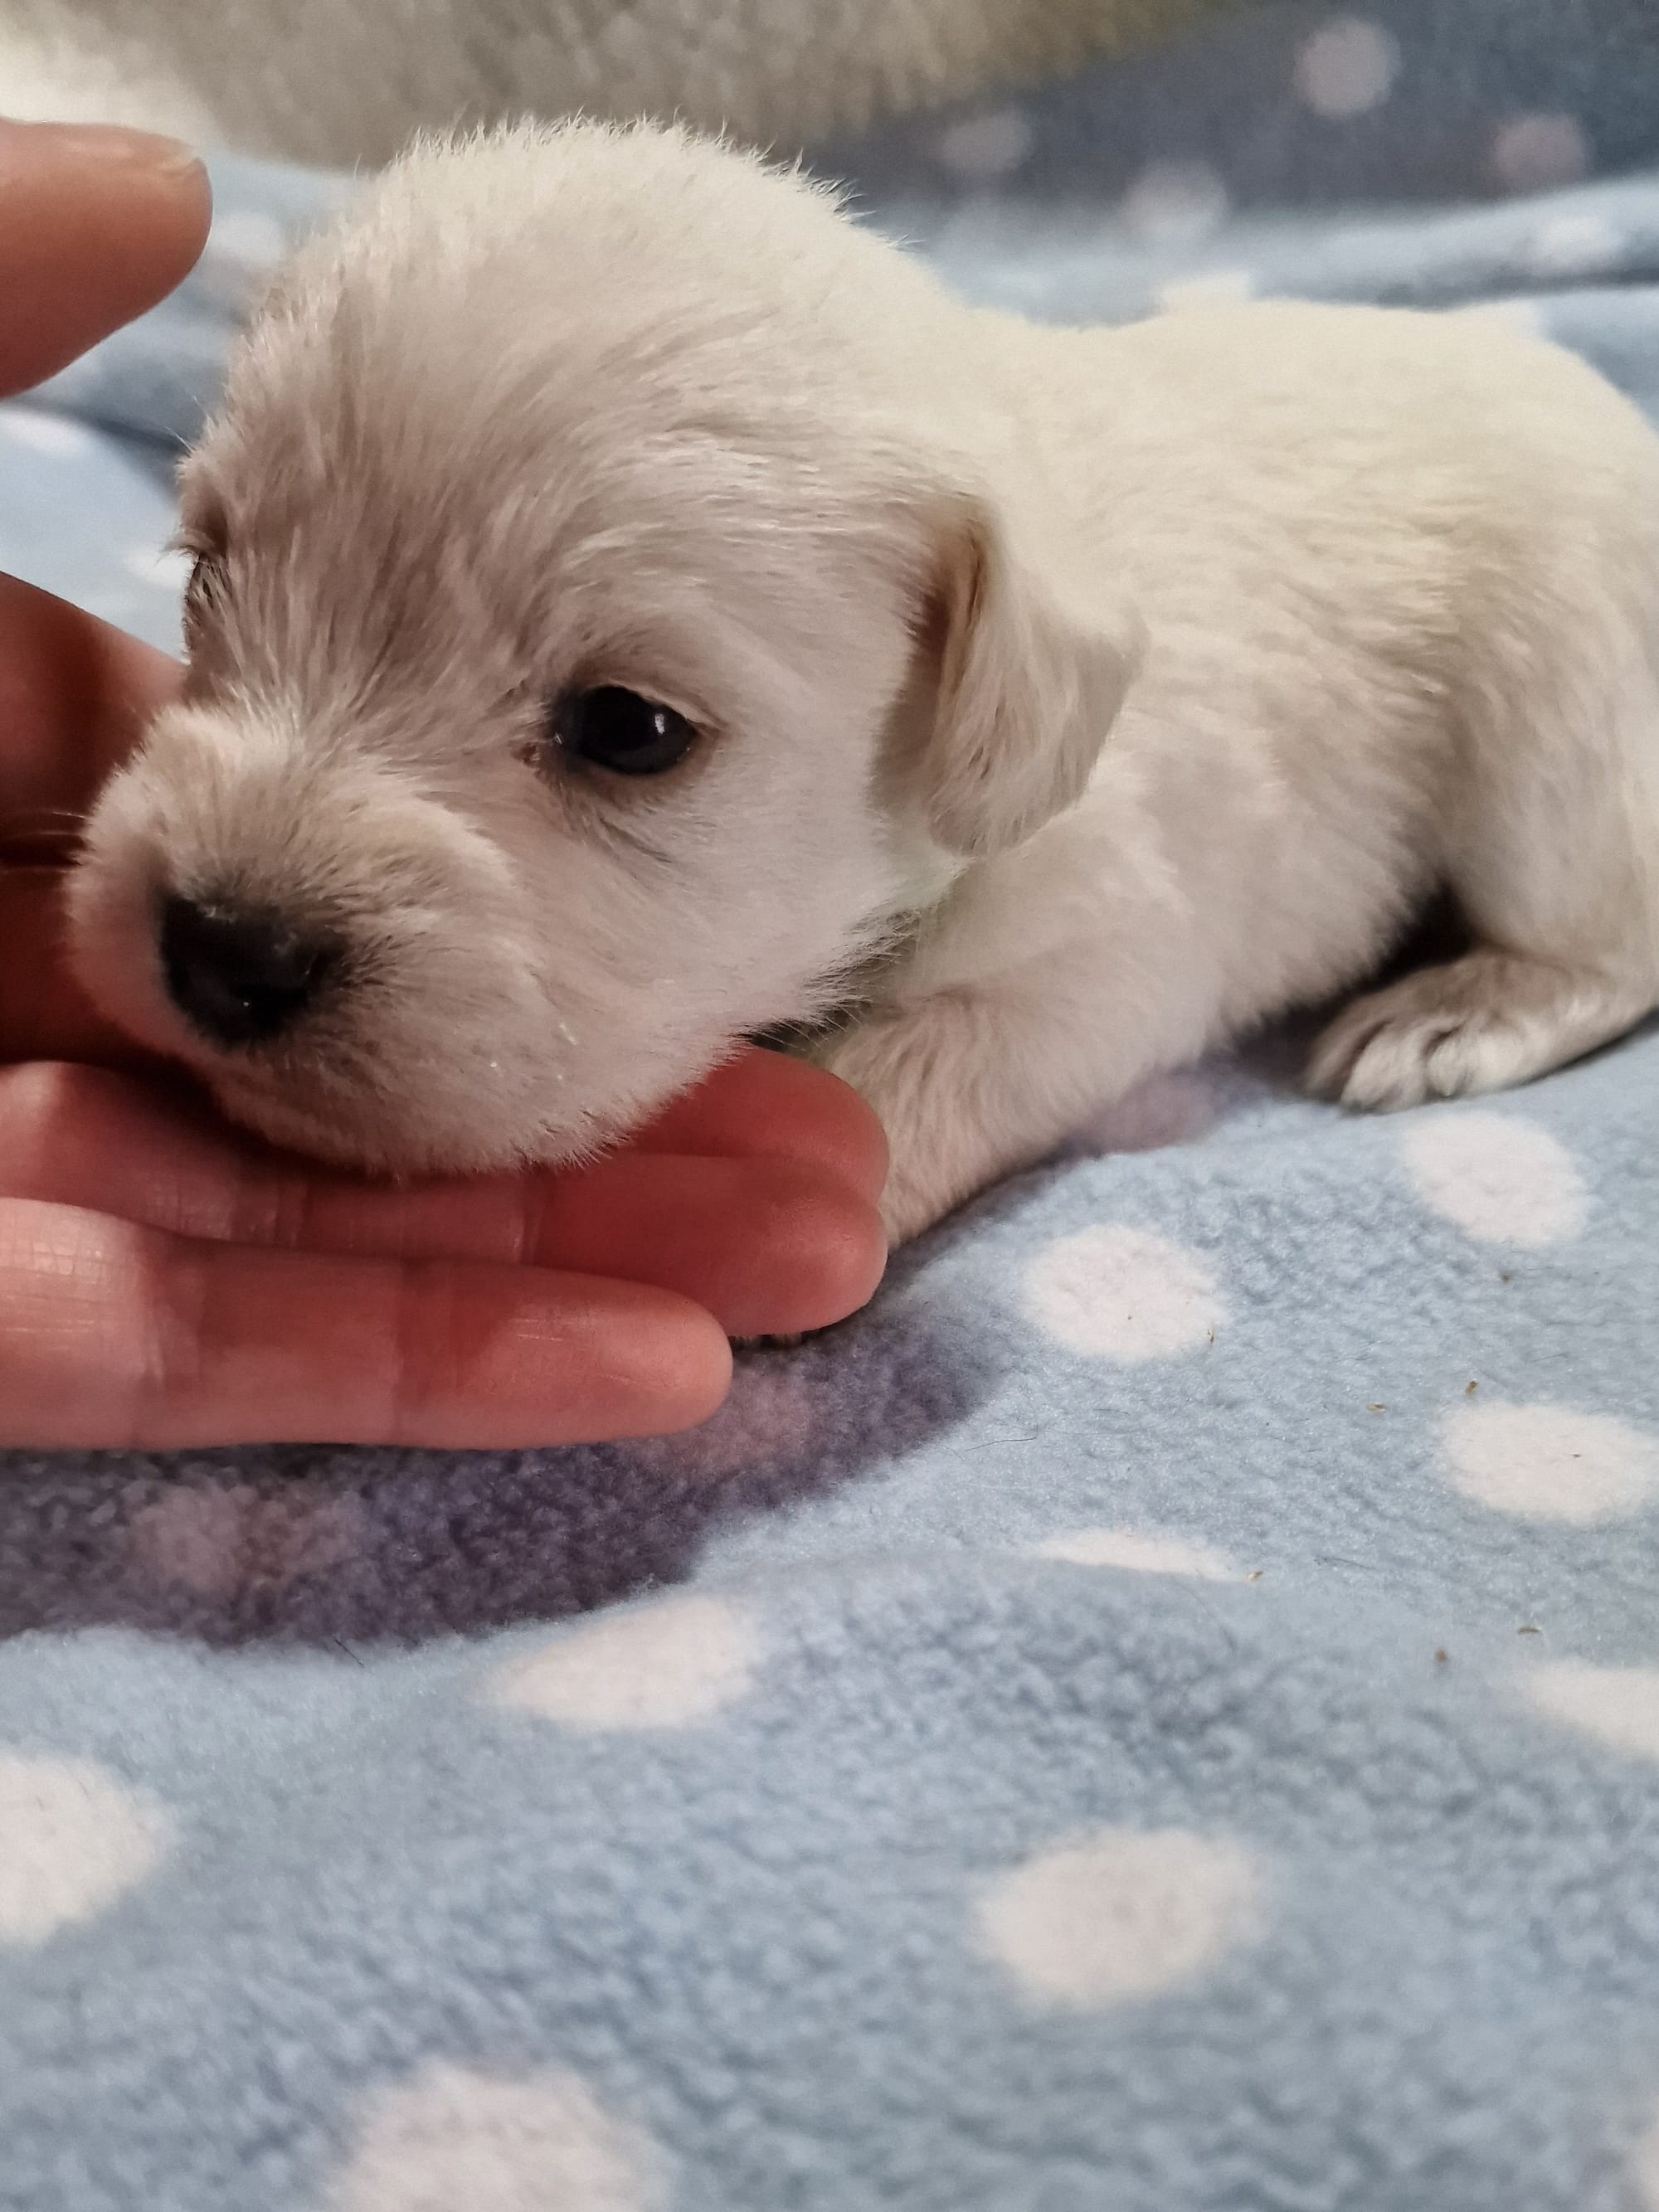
1034	662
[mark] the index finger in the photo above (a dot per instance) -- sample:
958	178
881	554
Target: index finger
96	225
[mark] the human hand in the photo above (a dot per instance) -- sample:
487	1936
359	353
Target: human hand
165	1280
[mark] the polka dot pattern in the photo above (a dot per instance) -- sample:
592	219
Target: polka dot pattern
1138	1552
1545	1462
248	236
1218	288
985	148
52	435
73	1841
1499	1177
1122	1293
1120	1915
1569	246
1539	152
1346	68
461	1899
1644	2167
1617	1706
453	2136
220	1542
163	567
1174	202
664	1666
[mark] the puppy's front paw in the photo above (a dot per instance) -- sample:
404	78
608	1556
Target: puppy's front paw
1475	1024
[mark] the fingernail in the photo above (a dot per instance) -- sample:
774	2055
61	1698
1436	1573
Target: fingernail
111	142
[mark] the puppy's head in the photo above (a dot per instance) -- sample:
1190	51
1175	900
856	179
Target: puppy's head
611	611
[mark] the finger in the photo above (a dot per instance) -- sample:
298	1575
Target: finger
768	1246
765	1102
74	695
45	1015
114	1336
96	225
760	1104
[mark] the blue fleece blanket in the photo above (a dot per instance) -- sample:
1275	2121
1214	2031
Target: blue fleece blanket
1161	1714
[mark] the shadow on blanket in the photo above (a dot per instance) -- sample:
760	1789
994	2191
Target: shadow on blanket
332	1545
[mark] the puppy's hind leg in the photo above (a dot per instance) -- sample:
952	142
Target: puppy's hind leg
1552	855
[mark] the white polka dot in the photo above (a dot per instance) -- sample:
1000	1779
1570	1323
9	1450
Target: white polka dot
72	1840
1549	1462
667	1665
1573	246
1644	2170
1114	1292
45	434
1618	1705
219	1539
164	567
1216	288
453	2137
1498	1177
126	610
1172	201
1533	153
1121	1914
1129	1548
986	146
1522	316
247	235
770	1415
1348	66
240	255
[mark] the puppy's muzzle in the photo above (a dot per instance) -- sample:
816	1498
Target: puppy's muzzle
239	975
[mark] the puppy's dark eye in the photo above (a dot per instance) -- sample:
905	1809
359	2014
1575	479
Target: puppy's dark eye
206	579
620	731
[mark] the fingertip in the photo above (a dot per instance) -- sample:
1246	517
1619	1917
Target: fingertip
860	1140
186	183
99	223
767	1104
655	1361
842	1249
162	189
694	1378
818	1253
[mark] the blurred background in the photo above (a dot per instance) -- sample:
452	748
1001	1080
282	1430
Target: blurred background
1076	160
346	80
1286	101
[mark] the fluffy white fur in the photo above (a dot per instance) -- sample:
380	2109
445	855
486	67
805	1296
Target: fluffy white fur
1071	700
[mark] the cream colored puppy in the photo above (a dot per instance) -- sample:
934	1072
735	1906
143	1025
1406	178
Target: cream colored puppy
637	607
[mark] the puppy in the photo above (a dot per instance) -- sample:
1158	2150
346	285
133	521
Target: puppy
635	607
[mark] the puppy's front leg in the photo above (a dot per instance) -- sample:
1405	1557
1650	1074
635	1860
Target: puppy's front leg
970	1084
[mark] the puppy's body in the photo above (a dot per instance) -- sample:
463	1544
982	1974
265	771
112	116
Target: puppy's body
1128	686
1399	582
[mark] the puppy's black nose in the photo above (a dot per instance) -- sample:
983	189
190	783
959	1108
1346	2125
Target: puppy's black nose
237	976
